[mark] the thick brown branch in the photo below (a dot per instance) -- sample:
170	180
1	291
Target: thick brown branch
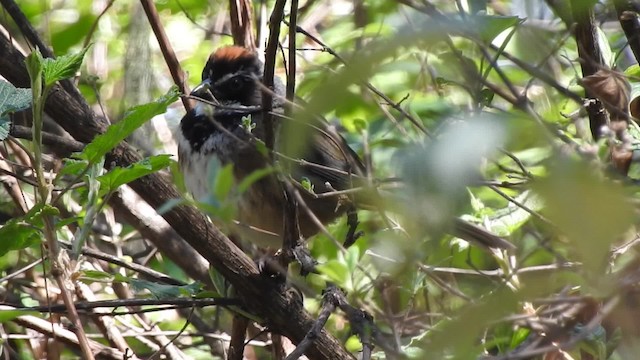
628	16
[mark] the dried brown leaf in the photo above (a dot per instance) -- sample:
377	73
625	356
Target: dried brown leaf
613	89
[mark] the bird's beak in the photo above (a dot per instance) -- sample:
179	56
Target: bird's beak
203	90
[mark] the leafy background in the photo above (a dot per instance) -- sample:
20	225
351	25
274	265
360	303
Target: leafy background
499	143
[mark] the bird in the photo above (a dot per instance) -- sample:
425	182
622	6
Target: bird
226	127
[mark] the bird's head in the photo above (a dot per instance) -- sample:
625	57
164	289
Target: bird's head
231	77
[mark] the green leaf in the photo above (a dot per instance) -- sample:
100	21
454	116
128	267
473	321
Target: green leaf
22	232
633	73
224	181
605	48
163	291
73	167
133	119
488	27
34	63
12	99
8	315
63	67
120	176
253	177
17	234
220	285
335	270
307	184
486	97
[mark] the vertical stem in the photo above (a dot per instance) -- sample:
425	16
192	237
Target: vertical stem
293	24
44	191
269	71
591	61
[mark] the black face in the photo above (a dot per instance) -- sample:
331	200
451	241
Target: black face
234	79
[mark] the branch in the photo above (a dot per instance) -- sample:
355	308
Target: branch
167	51
628	17
591	61
269	71
241	23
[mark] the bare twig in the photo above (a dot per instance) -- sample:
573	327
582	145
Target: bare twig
269	71
291	74
167	51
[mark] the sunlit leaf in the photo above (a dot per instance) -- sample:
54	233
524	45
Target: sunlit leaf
62	67
132	120
335	270
8	315
18	235
120	176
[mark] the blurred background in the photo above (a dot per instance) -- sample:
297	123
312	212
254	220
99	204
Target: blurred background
481	117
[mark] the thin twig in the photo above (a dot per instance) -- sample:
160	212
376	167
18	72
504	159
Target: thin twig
269	71
167	51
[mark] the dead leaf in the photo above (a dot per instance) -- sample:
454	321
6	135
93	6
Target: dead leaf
613	89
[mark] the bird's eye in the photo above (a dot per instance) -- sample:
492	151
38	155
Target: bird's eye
235	84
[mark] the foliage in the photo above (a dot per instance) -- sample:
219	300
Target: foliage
484	120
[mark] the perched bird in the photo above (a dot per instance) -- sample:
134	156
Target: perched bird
218	127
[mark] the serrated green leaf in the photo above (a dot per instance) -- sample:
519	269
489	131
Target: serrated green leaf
12	99
120	176
132	120
5	127
62	67
8	315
